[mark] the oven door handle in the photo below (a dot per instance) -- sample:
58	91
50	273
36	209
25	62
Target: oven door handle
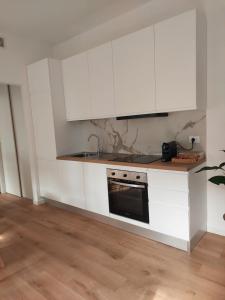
128	184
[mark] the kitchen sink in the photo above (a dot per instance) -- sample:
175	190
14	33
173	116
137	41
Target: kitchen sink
95	155
85	154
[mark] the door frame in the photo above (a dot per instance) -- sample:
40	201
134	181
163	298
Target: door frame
37	200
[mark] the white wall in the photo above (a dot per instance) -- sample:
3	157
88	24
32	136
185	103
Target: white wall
155	11
216	111
13	60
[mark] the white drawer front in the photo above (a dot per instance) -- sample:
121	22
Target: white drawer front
168	180
169	197
170	220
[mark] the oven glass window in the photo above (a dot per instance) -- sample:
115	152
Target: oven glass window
129	200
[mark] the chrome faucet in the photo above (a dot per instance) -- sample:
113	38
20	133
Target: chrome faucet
98	141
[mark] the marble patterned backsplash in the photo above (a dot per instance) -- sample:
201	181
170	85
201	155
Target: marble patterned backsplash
144	135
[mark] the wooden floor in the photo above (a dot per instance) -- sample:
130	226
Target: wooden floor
54	254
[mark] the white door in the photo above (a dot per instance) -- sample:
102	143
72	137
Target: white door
133	57
101	81
71	183
77	87
96	190
175	57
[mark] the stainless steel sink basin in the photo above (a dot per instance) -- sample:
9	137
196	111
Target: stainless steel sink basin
94	155
85	154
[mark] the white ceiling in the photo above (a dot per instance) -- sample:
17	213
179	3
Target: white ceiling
54	21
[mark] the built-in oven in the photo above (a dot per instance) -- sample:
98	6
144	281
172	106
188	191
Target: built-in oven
128	194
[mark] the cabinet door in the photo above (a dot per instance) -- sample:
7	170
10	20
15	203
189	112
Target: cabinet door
49	179
133	57
170	220
42	110
101	81
175	57
96	190
169	203
77	87
71	183
44	131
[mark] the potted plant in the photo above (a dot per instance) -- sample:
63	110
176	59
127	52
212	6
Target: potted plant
219	179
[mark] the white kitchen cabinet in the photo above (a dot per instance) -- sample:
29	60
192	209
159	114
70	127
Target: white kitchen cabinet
44	131
77	87
169	212
169	203
49	179
71	183
52	132
177	204
161	68
175	63
100	63
42	110
134	67
96	190
62	181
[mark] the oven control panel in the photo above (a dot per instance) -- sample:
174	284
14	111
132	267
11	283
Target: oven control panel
127	175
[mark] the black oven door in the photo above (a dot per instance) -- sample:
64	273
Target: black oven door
129	199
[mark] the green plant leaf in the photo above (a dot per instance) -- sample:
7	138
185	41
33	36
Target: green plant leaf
222	165
208	169
217	180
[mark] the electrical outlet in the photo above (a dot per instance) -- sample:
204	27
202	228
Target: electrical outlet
197	139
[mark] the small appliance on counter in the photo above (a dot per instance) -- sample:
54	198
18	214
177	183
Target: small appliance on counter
169	150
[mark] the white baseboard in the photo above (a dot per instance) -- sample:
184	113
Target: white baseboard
215	230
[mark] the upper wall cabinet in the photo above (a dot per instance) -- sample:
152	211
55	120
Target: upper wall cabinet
101	81
175	63
160	68
88	84
77	87
134	68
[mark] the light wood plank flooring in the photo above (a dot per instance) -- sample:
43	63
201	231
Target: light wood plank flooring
49	253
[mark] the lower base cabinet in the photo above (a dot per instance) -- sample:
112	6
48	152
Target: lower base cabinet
177	200
169	203
71	183
62	181
77	184
169	212
96	190
49	179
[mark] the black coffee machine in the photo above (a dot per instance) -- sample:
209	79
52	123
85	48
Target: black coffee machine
169	150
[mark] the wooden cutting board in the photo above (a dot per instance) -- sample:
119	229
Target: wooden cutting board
184	160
